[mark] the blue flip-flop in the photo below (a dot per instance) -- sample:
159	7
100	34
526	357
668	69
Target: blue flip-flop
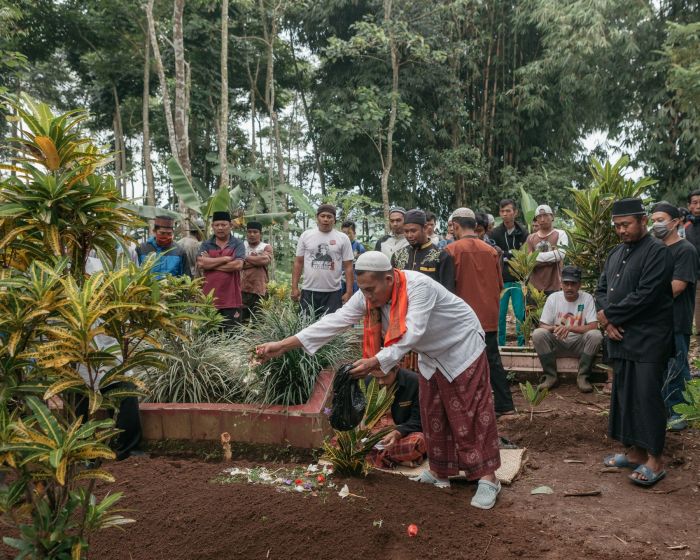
620	461
651	477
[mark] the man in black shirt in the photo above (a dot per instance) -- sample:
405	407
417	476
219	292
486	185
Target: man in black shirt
666	220
692	234
421	254
509	236
405	443
635	306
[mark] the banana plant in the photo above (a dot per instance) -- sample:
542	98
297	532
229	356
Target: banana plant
223	199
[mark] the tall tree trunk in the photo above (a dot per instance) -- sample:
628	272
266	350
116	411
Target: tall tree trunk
147	165
253	80
118	172
167	107
180	110
120	156
312	130
389	156
223	126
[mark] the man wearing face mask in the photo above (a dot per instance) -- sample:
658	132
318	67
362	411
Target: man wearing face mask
692	234
665	222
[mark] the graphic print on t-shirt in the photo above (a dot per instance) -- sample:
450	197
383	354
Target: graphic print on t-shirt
569	319
543	246
322	259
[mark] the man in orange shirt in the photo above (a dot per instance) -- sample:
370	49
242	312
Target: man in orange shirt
478	281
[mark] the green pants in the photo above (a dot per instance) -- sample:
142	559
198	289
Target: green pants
512	291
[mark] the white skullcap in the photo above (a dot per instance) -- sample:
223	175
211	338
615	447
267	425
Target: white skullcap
373	261
464	213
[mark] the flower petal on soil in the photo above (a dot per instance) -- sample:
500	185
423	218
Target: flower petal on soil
344	491
312	468
542	490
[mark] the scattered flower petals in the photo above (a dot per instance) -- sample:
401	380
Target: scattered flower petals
344	491
298	481
320	479
299	488
412	530
327	411
312	468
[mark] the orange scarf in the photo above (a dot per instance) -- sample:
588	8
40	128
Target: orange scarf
372	336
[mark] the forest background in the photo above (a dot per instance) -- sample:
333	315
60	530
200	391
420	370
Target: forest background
365	103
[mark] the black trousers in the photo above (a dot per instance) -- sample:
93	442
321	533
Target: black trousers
251	303
320	303
232	317
503	400
128	420
637	410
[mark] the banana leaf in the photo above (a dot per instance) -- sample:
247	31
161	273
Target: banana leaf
183	187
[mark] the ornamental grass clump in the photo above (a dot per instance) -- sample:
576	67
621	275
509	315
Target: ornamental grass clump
348	450
288	379
206	368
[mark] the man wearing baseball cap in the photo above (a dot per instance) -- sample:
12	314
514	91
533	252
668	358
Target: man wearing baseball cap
322	254
549	244
635	306
568	327
404	310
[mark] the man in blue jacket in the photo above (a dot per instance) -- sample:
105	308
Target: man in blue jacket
172	258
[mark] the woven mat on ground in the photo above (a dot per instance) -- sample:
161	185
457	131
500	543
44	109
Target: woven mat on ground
511	463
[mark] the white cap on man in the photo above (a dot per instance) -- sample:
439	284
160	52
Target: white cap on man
463	213
543	209
373	261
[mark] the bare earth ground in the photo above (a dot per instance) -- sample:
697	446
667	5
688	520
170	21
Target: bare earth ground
182	515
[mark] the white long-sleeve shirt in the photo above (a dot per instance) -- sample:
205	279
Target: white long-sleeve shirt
558	253
440	327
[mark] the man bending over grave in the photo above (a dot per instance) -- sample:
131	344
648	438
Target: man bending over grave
405	444
404	311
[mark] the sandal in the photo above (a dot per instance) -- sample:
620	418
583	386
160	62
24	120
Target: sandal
651	477
426	477
620	461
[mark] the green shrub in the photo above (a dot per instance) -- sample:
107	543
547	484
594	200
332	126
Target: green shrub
289	379
348	450
690	410
206	368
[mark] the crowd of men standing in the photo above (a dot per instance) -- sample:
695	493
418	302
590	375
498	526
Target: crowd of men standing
643	307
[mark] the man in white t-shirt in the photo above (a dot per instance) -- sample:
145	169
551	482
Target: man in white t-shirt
568	327
322	254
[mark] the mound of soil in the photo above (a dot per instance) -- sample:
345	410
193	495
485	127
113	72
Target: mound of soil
182	514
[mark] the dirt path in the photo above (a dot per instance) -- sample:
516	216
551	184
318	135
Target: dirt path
181	515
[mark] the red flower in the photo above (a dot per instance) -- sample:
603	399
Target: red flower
298	481
321	479
412	530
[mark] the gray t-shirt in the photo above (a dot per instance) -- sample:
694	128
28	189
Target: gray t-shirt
324	254
558	311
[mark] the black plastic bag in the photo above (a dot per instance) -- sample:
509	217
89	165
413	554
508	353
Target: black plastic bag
349	401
